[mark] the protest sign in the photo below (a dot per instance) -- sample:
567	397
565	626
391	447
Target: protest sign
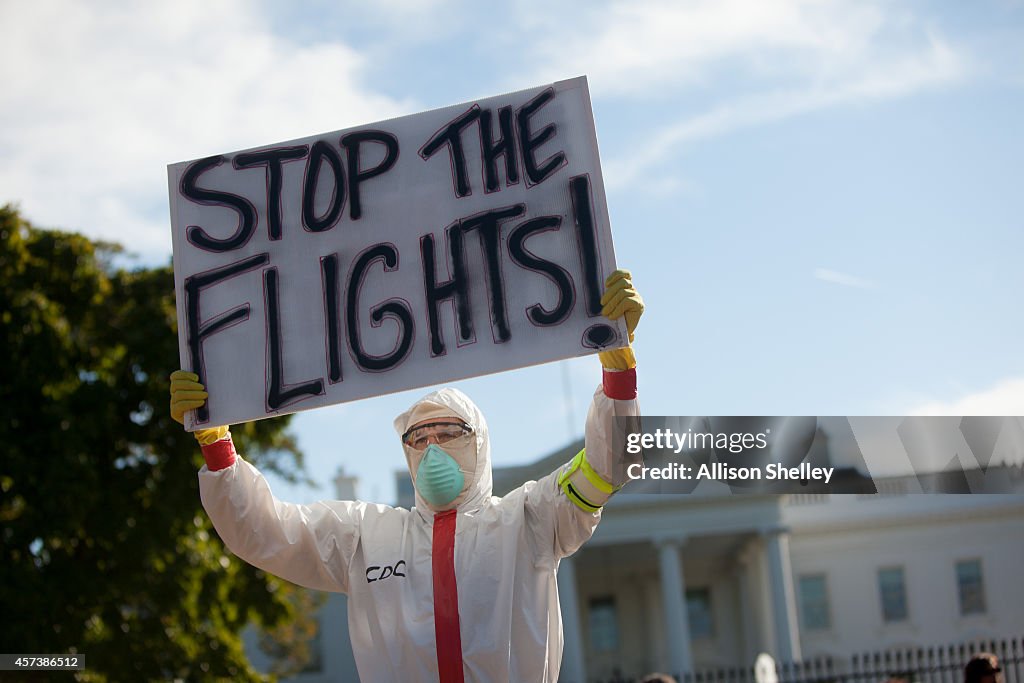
433	247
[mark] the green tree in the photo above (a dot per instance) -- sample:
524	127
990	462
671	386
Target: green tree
105	548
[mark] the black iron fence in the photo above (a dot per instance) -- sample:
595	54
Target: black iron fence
938	664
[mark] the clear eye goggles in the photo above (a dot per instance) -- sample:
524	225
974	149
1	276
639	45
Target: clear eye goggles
421	436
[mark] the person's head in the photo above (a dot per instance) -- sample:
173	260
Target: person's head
657	678
983	668
444	437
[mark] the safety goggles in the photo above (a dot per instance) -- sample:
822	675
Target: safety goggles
420	436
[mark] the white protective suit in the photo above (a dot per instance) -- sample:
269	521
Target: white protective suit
506	556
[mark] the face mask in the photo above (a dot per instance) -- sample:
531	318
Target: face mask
438	478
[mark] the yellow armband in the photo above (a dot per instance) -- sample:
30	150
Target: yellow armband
584	486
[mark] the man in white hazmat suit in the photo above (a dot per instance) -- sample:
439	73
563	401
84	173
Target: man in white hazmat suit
463	586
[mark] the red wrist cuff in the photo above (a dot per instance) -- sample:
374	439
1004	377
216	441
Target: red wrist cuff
219	454
620	384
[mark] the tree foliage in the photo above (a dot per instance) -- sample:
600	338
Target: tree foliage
105	548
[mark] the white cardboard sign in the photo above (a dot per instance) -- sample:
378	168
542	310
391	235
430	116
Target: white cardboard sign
438	246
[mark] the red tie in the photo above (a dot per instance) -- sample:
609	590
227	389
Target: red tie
446	600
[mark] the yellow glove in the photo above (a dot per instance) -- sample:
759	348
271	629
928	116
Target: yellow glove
188	394
621	300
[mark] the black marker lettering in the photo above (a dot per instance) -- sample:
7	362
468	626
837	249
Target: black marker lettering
586	233
197	331
388	255
280	394
456	288
322	152
529	143
245	210
489	224
451	135
504	147
356	174
329	270
524	258
272	159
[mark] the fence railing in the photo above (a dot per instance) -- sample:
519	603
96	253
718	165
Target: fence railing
933	664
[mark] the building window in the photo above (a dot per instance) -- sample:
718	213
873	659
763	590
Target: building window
893	591
970	587
604	627
814	602
698	613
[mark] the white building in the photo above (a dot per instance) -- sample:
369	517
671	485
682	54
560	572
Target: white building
710	579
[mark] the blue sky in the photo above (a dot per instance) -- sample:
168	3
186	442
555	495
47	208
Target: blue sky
820	200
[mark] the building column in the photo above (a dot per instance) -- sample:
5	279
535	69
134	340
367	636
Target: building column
747	609
573	669
673	592
657	655
787	631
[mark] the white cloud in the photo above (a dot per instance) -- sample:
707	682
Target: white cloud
844	279
780	58
1004	398
630	47
937	65
636	47
99	98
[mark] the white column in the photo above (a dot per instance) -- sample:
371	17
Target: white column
787	632
747	608
657	654
573	669
673	592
